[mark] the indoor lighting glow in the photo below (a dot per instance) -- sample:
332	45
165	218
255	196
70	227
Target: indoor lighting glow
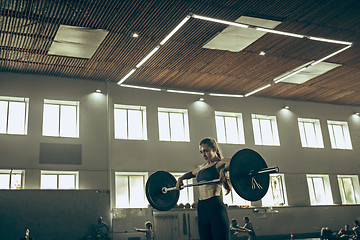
279	32
127	75
98	90
262	53
220	21
329	40
286	107
139	87
329	56
257	90
225	95
185	92
357	114
135	35
289	75
147	57
201	99
175	29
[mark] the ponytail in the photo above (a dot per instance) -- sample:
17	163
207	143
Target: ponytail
211	142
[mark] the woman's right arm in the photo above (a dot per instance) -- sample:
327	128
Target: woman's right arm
187	175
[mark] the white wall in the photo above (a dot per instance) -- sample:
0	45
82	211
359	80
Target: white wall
102	155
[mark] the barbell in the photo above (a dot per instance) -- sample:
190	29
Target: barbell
248	174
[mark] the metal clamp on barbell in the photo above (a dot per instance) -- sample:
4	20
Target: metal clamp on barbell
248	174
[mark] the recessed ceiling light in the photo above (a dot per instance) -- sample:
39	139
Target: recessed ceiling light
262	53
286	107
201	99
135	35
98	91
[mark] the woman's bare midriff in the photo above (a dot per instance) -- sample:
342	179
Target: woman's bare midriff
209	190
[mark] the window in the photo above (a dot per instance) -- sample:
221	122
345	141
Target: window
130	122
14	113
59	180
61	118
339	135
276	195
310	133
11	179
130	190
173	125
349	189
186	194
319	189
233	199
229	128
265	130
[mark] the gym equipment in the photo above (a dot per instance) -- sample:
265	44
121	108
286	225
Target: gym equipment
248	174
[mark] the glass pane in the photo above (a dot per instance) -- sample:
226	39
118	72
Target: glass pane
302	134
135	124
266	132
177	127
4	181
120	123
310	134
311	190
16	118
3	116
237	200
257	133
164	126
122	192
319	190
137	197
339	136
67	182
48	181
51	120
68	121
232	133
220	129
349	190
16	181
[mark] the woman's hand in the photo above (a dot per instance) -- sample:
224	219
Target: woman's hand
179	183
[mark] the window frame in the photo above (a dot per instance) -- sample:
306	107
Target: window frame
282	191
185	120
58	173
9	100
189	190
346	134
12	172
355	189
259	135
61	103
129	174
326	189
142	109
304	135
233	196
239	127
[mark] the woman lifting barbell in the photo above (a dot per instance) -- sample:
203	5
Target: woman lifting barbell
213	221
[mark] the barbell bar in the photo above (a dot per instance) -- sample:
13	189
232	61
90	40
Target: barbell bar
248	174
262	171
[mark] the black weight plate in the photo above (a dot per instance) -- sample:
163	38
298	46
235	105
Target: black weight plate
157	199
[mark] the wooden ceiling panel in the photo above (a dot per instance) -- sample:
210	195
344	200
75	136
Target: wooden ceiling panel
28	29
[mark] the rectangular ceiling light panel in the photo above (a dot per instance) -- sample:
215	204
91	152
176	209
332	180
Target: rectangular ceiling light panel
235	39
79	42
309	73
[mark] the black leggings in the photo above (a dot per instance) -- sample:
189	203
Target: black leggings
213	220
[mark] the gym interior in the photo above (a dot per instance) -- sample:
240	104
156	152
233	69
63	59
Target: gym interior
317	185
